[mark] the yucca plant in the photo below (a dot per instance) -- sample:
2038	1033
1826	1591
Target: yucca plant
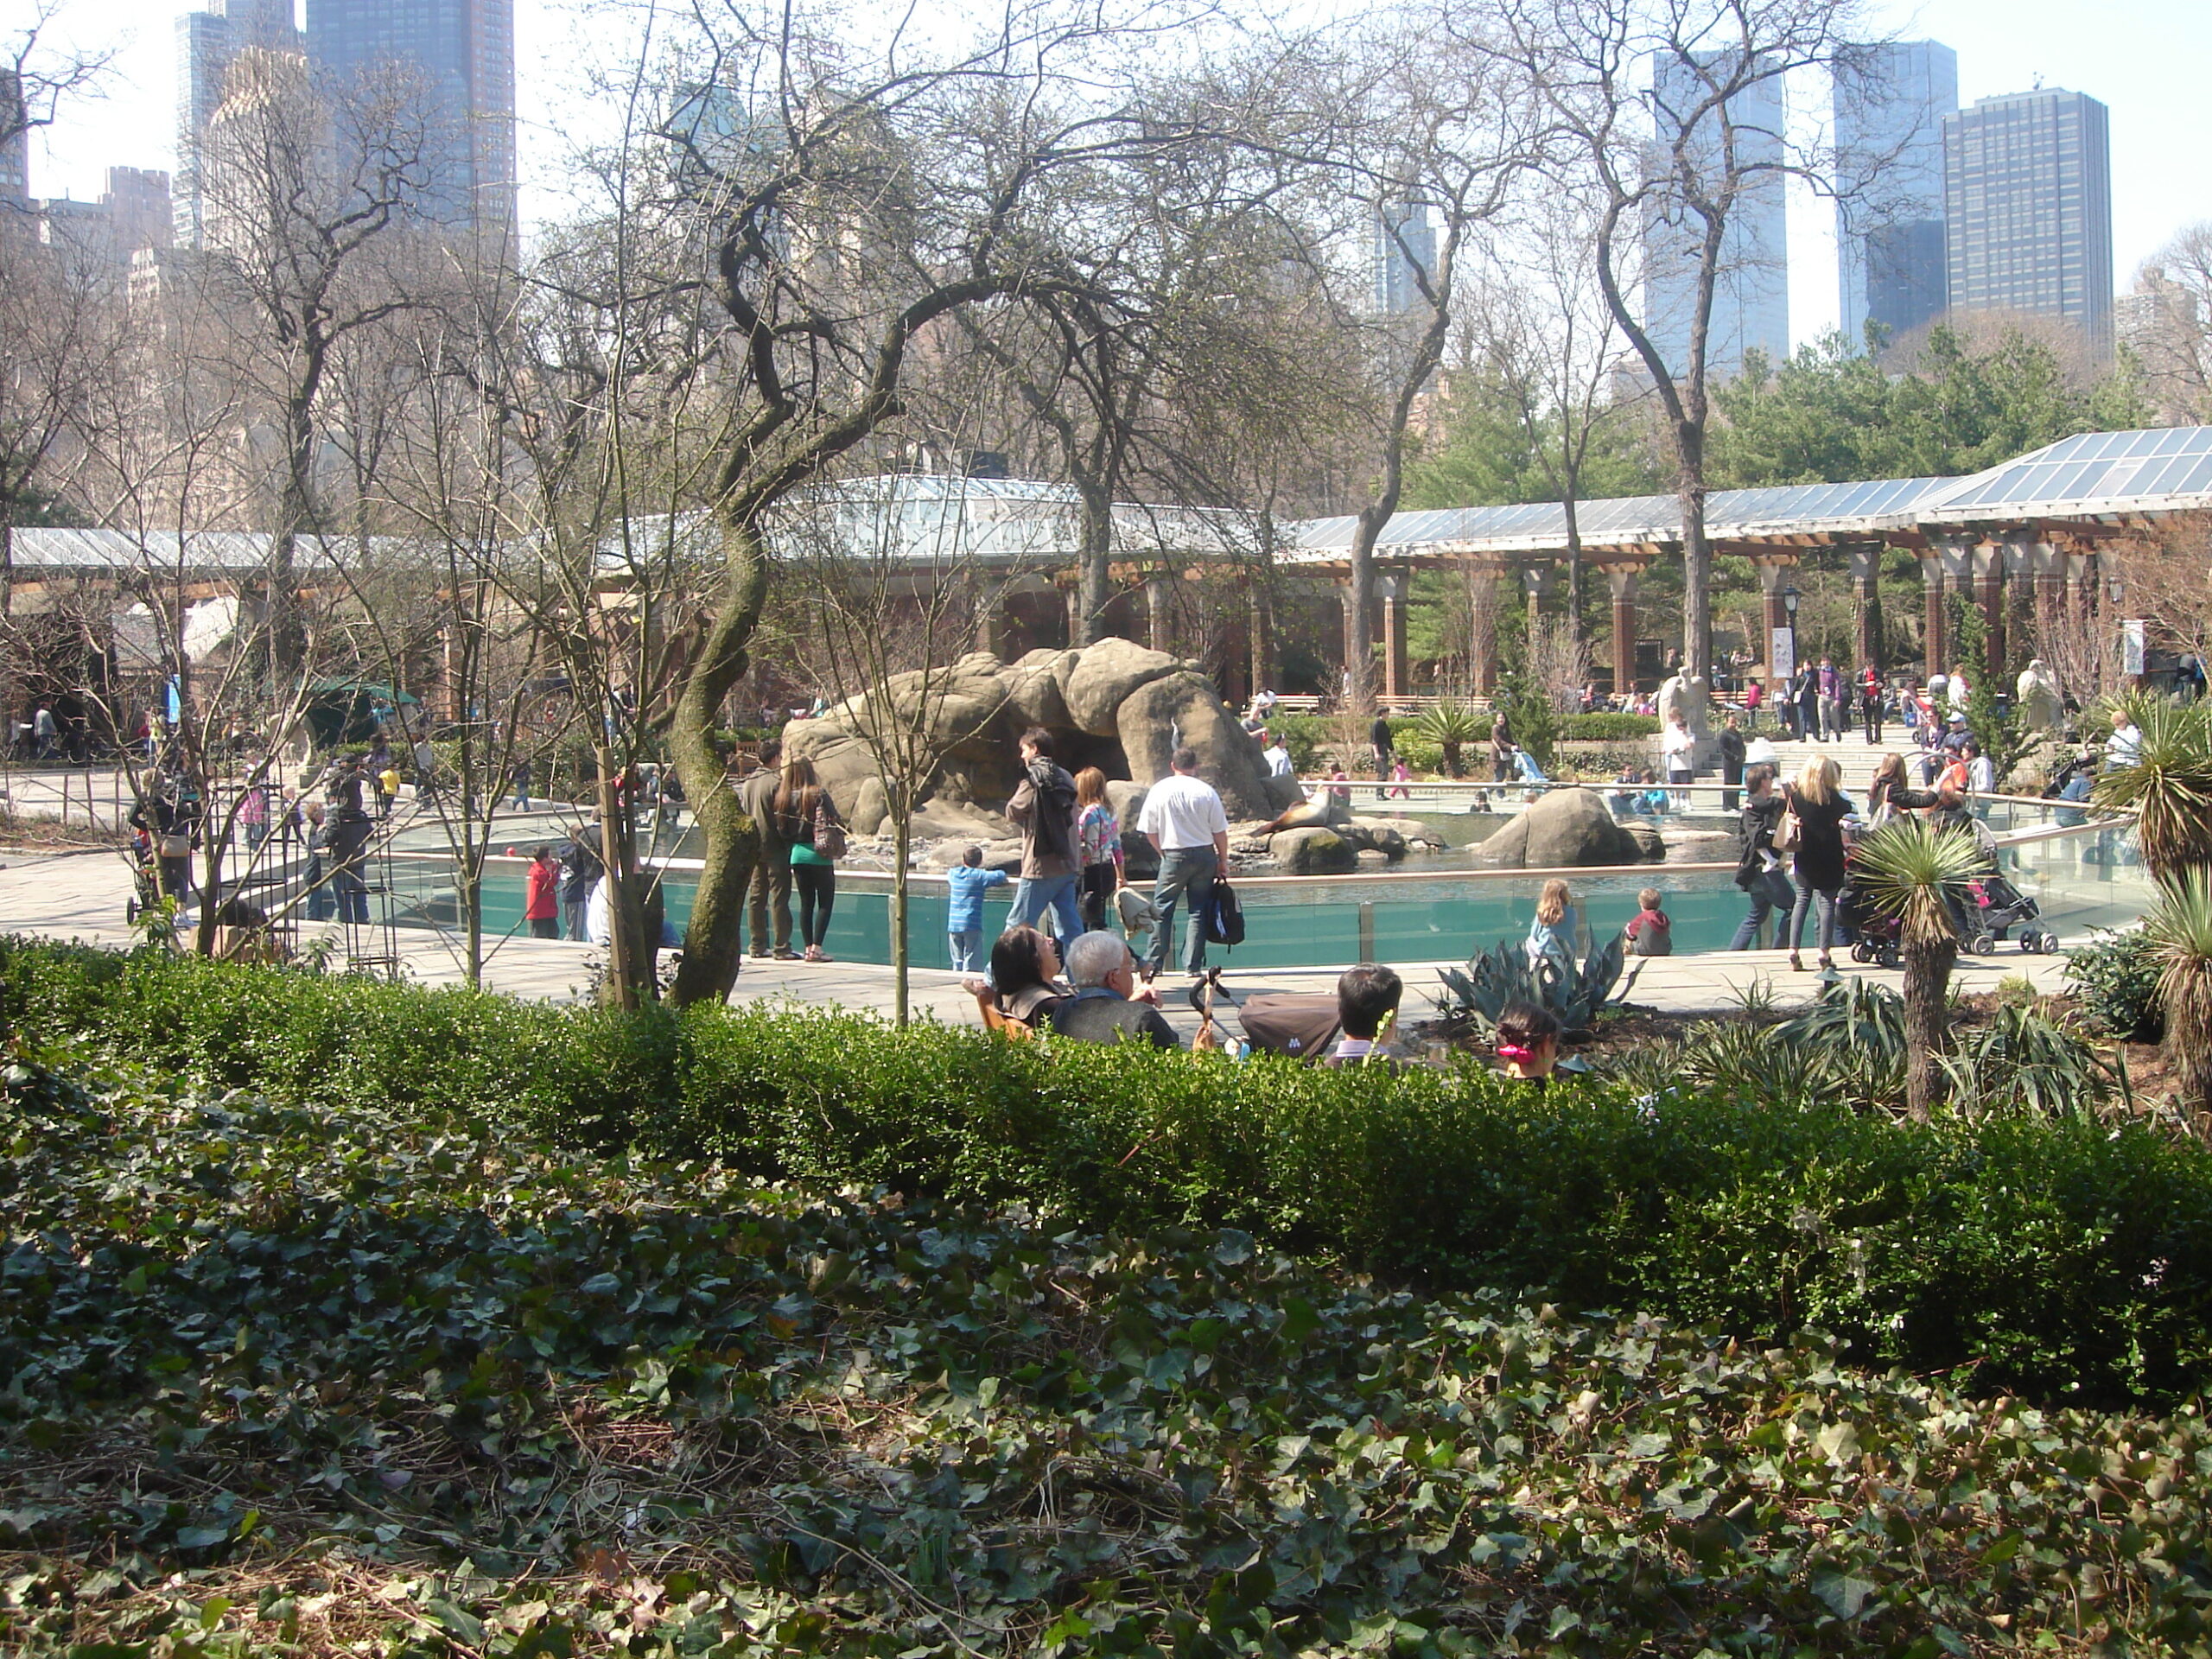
2179	930
2170	787
1451	726
1915	871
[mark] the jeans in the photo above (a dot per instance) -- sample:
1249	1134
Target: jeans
576	911
1034	896
1183	870
817	893
352	896
1873	719
1807	892
967	945
1095	895
1728	796
320	904
1831	718
769	894
1771	894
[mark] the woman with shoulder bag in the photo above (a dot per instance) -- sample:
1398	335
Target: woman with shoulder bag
808	820
1812	831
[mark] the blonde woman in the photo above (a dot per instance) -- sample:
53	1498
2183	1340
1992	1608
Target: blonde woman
1819	806
1557	930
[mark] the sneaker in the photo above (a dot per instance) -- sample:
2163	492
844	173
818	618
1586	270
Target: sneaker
785	954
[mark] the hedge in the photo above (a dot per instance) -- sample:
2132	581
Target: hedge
2065	1259
1607	727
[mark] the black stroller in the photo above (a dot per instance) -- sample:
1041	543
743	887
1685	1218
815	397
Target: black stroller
1991	909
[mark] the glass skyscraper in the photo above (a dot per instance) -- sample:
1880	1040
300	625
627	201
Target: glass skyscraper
1750	300
465	50
2027	189
1890	101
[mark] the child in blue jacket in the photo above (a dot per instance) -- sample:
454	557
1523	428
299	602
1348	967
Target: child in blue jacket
964	914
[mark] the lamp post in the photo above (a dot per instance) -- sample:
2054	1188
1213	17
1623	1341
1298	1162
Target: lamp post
1792	713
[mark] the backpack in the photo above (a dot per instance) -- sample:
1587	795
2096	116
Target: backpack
1224	915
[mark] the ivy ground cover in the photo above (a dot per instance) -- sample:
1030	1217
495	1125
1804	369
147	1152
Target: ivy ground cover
283	1378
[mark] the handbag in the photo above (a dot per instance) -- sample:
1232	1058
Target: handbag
828	834
1785	833
176	844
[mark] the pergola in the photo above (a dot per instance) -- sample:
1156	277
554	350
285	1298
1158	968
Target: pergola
2042	517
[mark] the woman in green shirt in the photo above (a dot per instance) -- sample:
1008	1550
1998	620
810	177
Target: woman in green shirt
808	822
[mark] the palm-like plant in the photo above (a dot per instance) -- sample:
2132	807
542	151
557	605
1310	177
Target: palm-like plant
2170	787
1912	870
1449	725
2179	929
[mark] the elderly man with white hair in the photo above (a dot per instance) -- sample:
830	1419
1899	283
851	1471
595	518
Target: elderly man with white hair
1103	972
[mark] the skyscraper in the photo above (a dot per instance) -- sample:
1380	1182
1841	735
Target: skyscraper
1405	250
2027	189
1890	101
206	42
465	49
1750	300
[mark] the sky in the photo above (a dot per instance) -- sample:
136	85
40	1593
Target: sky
2149	61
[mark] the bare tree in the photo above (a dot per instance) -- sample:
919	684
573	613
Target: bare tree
307	184
1664	111
1431	154
872	199
36	78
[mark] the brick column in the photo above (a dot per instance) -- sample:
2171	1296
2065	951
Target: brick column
1989	580
1867	603
1622	579
1931	577
1397	678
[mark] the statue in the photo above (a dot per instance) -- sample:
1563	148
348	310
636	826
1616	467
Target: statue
1690	698
2039	699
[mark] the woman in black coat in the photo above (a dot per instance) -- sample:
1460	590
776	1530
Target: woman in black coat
1816	859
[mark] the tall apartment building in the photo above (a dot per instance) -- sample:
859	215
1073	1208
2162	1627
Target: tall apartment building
1893	259
2027	190
206	42
1751	302
15	141
464	50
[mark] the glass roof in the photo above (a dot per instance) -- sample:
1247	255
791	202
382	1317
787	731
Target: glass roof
2164	470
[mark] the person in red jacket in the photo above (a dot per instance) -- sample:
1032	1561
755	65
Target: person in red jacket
541	904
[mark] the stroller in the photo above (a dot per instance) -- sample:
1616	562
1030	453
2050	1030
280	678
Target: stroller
1875	938
1991	909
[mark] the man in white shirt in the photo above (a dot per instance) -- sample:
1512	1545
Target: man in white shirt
1276	756
1981	771
1184	819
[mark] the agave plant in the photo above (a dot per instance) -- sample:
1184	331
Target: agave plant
2170	787
1451	726
1916	872
2179	929
1479	992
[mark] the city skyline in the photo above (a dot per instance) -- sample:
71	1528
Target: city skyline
1892	262
2148	50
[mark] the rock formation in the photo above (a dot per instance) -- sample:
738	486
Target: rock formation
1114	705
1567	828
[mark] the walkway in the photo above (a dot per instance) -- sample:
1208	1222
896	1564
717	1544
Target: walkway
82	895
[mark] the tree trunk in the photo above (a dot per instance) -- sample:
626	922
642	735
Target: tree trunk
902	825
2189	1041
1697	554
1926	1039
1573	564
1094	586
614	857
714	939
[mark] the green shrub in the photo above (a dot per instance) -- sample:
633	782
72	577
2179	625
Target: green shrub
2062	1257
287	1380
2116	979
1608	727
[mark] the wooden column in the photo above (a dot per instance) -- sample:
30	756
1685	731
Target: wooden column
1396	678
1622	579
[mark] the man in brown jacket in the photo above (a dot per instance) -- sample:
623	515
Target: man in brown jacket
771	886
1044	808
